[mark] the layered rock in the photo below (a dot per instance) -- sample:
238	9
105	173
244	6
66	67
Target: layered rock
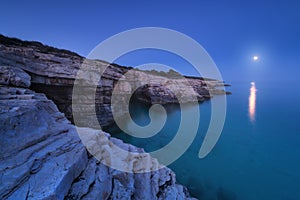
53	72
42	156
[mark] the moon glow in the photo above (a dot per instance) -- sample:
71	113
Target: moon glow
255	58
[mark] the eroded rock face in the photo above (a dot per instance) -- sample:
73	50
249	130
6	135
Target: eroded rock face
53	71
42	157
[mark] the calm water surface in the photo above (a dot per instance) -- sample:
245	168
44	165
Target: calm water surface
258	154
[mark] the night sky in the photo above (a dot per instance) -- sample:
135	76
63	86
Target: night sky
232	32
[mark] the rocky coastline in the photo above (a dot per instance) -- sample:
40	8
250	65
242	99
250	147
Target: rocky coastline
42	156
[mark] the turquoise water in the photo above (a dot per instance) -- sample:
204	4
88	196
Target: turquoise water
258	154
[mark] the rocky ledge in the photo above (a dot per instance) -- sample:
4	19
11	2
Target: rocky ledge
42	156
53	72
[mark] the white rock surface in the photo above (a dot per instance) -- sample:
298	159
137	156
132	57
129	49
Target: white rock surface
42	157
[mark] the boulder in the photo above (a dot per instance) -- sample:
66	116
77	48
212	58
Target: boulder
14	76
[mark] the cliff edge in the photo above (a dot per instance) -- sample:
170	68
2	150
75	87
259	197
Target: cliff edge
42	156
53	72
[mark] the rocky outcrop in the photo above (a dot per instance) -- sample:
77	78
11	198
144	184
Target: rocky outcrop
53	71
42	156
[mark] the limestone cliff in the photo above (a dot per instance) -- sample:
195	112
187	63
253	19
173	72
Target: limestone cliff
53	72
42	157
41	154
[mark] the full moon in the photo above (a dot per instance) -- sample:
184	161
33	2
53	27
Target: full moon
255	58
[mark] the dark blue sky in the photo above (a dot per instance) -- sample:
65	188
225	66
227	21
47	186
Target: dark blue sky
231	31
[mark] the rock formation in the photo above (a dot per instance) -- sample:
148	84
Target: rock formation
53	72
42	156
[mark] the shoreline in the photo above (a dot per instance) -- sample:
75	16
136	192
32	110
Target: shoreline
30	67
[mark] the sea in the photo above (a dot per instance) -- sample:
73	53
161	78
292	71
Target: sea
257	156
